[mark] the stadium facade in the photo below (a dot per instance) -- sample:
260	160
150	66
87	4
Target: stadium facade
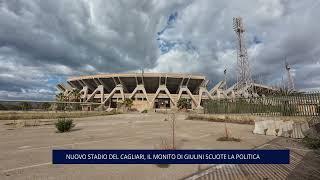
147	90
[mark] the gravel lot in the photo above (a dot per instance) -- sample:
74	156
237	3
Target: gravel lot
26	151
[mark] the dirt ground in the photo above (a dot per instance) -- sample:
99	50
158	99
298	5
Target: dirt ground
26	151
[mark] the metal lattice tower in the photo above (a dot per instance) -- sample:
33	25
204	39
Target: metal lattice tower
290	84
244	73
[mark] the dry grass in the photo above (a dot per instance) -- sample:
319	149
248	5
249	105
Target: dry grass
165	145
224	138
227	119
23	123
14	115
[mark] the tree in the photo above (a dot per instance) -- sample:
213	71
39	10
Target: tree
183	103
173	126
75	95
128	103
2	107
25	106
45	106
61	98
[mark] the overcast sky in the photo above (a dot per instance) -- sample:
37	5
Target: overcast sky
43	42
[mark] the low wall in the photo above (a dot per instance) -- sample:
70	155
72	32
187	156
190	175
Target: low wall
281	128
285	126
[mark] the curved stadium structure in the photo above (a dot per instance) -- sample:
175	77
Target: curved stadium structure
149	90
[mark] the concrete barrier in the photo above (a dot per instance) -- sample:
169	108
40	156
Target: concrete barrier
278	127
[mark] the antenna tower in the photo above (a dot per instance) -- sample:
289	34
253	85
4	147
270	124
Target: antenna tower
244	73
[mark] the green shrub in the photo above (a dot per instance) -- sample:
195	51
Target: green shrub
311	143
144	111
128	103
183	103
64	125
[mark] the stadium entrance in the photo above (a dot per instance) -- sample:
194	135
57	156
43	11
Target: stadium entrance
162	103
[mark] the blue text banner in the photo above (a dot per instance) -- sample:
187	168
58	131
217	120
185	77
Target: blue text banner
170	156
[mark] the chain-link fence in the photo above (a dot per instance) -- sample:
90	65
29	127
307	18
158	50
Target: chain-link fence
306	104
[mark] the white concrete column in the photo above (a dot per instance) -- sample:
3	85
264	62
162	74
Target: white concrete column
141	88
85	93
186	89
165	89
201	91
117	88
98	89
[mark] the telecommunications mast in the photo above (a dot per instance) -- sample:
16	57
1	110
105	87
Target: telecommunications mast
244	78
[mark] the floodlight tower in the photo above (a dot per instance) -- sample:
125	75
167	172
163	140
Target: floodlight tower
142	73
290	84
244	73
225	78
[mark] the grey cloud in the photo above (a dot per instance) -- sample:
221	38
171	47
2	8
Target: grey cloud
287	29
69	37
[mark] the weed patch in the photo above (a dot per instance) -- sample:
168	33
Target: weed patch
224	138
227	119
311	143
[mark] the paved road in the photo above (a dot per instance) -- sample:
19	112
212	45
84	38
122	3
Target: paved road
303	165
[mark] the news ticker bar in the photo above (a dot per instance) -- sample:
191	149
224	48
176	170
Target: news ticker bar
170	156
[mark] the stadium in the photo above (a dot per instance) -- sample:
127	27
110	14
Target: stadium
147	90
150	90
